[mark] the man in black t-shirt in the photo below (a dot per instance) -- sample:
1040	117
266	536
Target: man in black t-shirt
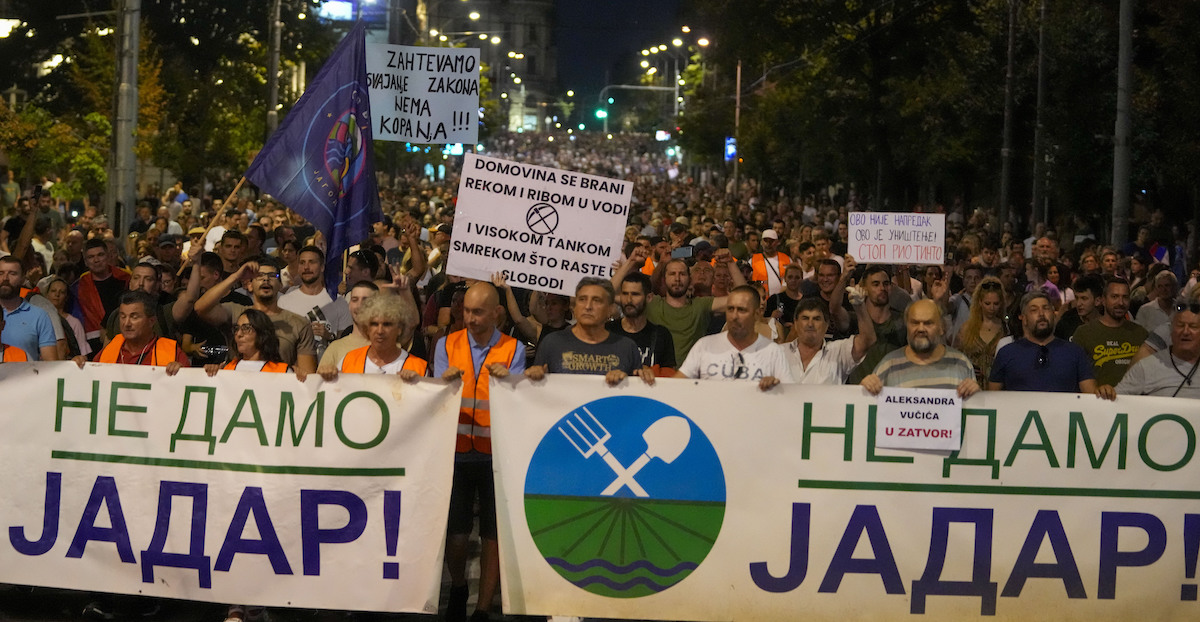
588	347
654	342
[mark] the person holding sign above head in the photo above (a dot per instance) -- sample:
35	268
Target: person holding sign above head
257	346
385	318
1039	361
588	347
474	354
738	353
926	362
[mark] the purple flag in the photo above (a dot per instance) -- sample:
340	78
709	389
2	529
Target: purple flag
320	162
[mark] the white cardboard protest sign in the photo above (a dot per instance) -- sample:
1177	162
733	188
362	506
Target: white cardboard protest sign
544	228
919	419
244	487
896	237
424	95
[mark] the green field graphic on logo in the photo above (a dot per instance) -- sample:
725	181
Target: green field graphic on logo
625	497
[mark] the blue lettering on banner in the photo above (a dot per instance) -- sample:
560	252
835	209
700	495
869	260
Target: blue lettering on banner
268	543
1046	525
1112	558
312	536
865	519
104	492
41	546
797	557
194	559
981	585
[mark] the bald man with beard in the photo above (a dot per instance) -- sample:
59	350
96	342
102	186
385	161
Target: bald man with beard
926	362
473	355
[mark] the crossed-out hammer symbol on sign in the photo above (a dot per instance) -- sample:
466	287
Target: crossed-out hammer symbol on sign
665	439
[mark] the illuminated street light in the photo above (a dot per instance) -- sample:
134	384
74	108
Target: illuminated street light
702	42
302	16
433	32
570	93
677	42
685	29
645	64
474	15
495	40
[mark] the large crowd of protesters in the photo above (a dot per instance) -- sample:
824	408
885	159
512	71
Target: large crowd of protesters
715	282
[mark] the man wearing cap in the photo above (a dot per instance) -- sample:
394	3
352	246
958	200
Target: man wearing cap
768	266
195	235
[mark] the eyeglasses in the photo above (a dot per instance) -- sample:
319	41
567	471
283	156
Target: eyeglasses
1043	356
1194	307
242	328
267	275
741	371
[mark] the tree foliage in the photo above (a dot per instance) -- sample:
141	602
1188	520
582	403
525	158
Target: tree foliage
906	99
202	72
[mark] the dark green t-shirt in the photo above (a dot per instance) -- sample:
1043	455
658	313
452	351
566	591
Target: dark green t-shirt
1110	349
687	323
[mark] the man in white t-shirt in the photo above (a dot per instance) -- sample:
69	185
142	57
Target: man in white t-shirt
310	293
739	353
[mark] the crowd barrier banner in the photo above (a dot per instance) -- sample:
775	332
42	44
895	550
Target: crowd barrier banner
247	488
716	501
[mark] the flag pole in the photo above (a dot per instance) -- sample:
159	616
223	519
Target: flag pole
213	221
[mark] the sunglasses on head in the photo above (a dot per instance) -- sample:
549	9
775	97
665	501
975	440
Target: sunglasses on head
1194	307
991	285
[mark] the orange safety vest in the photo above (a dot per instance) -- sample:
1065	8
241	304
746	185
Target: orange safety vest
164	351
760	269
355	362
270	368
648	267
474	412
13	354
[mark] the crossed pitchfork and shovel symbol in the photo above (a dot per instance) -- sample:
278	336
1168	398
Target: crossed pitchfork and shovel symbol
665	440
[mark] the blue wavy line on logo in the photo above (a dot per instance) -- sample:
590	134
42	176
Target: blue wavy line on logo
640	564
621	586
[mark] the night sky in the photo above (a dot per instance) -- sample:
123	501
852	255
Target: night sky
599	41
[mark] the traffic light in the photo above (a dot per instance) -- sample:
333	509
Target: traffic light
601	113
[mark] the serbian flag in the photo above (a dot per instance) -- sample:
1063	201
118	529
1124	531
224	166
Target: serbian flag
320	162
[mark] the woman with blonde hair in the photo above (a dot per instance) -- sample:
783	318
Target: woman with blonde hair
984	327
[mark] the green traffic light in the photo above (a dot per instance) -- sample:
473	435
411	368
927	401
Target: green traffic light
601	114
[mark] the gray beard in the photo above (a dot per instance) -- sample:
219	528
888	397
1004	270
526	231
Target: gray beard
924	345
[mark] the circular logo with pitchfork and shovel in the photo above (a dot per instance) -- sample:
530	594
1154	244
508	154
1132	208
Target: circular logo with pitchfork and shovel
625	496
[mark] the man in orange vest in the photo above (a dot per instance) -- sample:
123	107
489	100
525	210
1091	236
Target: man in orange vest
137	343
97	291
767	267
474	354
10	354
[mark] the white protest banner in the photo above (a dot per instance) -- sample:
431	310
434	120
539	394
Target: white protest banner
544	228
919	419
424	95
896	237
247	488
710	500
